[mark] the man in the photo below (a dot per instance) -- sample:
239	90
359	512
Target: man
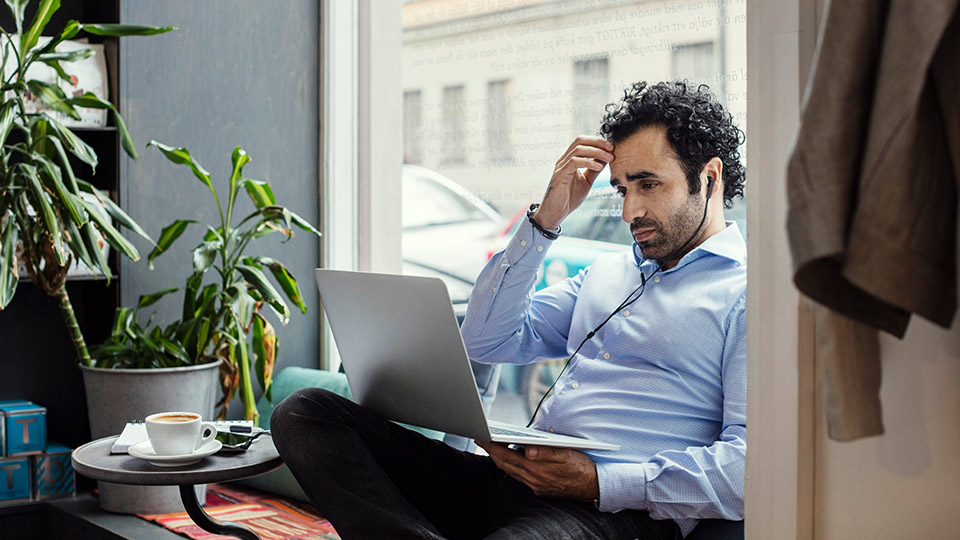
663	373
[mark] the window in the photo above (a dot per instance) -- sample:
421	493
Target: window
694	62
499	144
503	89
412	127
590	93
453	125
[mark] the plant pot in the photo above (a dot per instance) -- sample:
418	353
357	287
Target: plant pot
117	396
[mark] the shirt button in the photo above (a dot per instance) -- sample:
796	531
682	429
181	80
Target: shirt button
606	356
523	242
656	279
539	248
626	313
494	289
552	430
575	385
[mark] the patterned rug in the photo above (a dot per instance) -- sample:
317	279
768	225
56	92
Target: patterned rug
272	517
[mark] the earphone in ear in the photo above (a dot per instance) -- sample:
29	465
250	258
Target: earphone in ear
710	182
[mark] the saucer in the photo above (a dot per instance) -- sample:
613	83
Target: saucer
143	450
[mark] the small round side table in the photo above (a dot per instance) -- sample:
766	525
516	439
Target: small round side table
94	460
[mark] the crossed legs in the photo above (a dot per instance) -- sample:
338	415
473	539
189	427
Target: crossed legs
375	479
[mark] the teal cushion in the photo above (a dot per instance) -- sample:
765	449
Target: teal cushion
294	378
288	381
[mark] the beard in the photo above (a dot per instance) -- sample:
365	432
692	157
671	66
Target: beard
676	234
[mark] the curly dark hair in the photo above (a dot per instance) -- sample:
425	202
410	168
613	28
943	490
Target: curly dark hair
697	127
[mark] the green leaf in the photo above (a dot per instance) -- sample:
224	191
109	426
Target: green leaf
70	56
119	30
167	236
122	319
114	210
203	336
44	12
126	141
65	164
17	9
39	129
58	68
285	279
91	101
29	173
240	303
74	144
265	349
110	234
76	243
51	173
53	96
259	281
204	255
300	222
7	116
260	193
53	60
152	298
174	349
71	29
189	295
91	239
239	159
206	299
8	262
181	156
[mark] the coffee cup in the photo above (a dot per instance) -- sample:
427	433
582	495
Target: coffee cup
178	433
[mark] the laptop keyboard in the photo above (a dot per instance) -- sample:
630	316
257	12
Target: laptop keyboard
512	433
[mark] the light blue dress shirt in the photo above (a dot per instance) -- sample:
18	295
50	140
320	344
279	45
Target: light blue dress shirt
665	378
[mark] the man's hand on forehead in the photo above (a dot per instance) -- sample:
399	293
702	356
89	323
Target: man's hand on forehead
572	179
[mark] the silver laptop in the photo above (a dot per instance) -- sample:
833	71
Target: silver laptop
404	357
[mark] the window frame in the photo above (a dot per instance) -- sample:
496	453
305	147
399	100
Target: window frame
779	479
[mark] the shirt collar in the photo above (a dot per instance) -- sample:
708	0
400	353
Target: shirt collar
727	243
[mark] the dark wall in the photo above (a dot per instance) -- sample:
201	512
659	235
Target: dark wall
238	73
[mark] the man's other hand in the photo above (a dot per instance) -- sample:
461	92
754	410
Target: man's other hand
572	179
548	471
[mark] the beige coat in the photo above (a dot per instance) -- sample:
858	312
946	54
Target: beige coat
872	184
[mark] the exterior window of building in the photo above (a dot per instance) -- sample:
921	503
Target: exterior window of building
504	87
453	140
412	127
591	89
499	135
694	62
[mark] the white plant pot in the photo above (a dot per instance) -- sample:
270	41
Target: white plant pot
117	396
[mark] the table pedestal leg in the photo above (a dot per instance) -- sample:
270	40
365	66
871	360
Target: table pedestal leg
189	497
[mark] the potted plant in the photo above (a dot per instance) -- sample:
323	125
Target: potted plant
48	212
222	319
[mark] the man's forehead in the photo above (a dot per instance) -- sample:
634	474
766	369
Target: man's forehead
646	152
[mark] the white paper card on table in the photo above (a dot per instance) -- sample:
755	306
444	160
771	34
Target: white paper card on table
133	433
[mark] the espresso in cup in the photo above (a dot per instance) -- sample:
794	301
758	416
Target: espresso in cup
175	418
178	433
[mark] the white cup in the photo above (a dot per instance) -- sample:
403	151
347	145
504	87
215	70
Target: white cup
178	433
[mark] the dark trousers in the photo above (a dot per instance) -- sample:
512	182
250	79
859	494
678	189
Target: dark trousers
374	479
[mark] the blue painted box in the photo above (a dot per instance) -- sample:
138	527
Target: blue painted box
24	428
53	474
14	478
3	430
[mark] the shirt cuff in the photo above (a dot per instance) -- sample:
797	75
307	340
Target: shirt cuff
622	486
528	247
